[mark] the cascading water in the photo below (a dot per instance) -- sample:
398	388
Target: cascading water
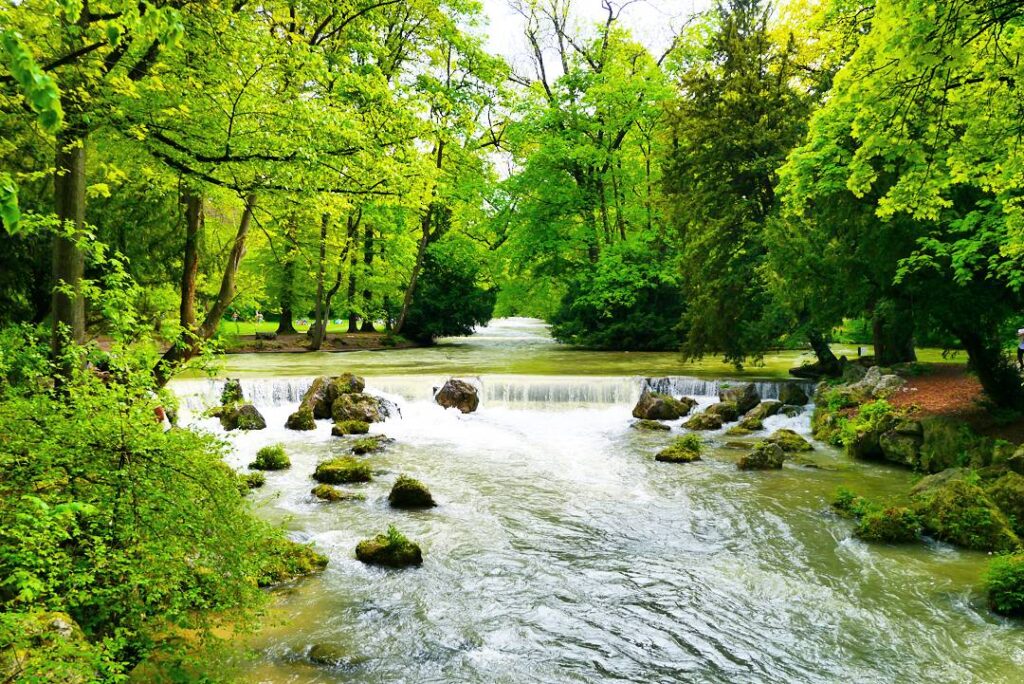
562	552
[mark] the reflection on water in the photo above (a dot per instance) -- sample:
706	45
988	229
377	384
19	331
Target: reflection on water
562	552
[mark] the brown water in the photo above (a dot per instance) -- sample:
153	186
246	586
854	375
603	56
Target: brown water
561	552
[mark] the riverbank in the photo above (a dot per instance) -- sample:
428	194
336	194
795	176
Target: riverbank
299	342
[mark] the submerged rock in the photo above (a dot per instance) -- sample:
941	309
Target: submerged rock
646	424
410	493
765	456
793	395
391	550
789	441
685	449
350	427
342	470
657	406
327	654
366	445
791	411
744	396
326	492
242	417
458	394
704	421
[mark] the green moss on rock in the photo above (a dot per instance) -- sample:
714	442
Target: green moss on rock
271	458
359	407
408	492
704	421
958	511
726	410
893	525
847	504
350	427
646	424
658	406
242	417
392	549
286	559
1004	585
254	480
301	420
765	456
1007	493
326	492
367	445
685	449
342	470
789	441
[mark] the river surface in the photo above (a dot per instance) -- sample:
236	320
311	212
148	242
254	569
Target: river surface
562	552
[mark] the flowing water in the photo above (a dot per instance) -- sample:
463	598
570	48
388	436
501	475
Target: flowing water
561	552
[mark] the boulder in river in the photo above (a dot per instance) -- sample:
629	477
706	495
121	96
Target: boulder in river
366	445
301	420
342	470
792	394
392	549
765	456
704	421
657	406
726	410
350	427
766	409
685	449
953	508
789	441
744	396
242	417
410	493
328	655
364	407
271	458
646	424
893	525
317	401
326	492
458	394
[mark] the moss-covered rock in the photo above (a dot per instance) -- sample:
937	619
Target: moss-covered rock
745	396
1004	585
646	424
329	655
326	492
704	421
726	410
286	560
893	525
847	504
271	457
766	409
242	417
685	449
392	549
789	441
253	480
902	444
410	493
1015	461
827	425
346	383
350	427
1007	493
739	431
752	423
791	411
342	470
658	406
958	511
948	443
793	395
362	407
301	420
368	445
765	456
458	394
231	393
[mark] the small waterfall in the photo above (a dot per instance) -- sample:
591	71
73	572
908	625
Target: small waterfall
682	386
198	395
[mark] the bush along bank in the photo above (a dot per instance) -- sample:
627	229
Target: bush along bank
972	492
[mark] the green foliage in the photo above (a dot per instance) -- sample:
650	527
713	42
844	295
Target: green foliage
875	417
627	300
271	458
850	505
959	511
1004	584
343	470
893	525
448	299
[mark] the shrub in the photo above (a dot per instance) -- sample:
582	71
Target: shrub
271	458
894	525
1004	584
850	505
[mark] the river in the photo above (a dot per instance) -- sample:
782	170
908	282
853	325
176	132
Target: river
562	552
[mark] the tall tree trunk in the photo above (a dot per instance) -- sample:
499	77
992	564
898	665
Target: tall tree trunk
353	260
892	325
367	326
194	223
68	263
190	344
421	253
997	374
286	323
319	329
